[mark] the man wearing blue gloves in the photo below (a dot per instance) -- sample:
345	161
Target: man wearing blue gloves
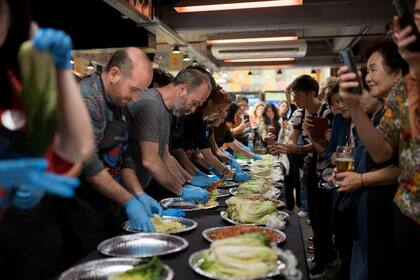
150	121
109	180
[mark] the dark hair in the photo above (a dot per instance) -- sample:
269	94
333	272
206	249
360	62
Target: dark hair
122	60
288	106
233	108
335	89
161	77
20	22
390	55
243	99
306	84
276	116
204	70
192	78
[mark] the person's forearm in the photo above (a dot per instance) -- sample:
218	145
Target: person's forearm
185	173
131	181
372	139
221	156
237	130
239	150
74	139
381	177
162	175
214	162
107	186
173	168
185	162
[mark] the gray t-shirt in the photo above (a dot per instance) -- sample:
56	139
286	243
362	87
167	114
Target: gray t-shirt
149	120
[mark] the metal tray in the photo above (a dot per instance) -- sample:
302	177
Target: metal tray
196	259
223	193
102	269
207	233
187	223
225	217
141	245
179	203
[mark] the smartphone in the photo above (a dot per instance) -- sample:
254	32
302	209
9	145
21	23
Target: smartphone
320	126
246	118
406	18
348	59
271	129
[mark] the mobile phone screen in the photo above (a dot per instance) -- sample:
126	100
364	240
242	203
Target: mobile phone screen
348	60
246	118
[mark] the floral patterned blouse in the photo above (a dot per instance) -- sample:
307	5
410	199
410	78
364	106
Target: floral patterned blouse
401	123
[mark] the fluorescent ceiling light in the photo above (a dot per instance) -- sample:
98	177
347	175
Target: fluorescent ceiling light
260	59
252	40
237	6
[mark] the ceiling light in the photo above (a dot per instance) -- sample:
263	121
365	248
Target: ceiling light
250	73
260	59
176	50
238	6
313	71
71	61
194	60
186	57
279	72
253	40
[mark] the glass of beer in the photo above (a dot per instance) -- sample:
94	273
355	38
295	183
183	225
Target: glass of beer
344	162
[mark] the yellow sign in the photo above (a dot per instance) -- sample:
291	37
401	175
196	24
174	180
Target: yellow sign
175	61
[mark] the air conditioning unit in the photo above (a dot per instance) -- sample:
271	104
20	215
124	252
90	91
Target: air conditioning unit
282	49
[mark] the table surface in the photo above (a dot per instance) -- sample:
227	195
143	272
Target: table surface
211	218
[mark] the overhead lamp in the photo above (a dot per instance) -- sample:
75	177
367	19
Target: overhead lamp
313	71
250	73
90	66
71	61
194	60
186	57
238	6
176	50
279	72
252	40
260	59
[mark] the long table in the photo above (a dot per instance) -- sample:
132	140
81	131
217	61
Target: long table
211	218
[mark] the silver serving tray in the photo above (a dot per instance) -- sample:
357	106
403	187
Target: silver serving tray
234	191
223	193
187	223
102	269
196	259
185	205
225	217
206	233
141	245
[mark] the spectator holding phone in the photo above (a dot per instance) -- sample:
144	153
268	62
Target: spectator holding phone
270	127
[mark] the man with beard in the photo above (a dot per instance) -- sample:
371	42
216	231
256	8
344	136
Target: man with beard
150	121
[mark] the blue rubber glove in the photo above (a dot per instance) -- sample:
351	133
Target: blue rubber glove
196	194
13	172
27	197
57	42
256	157
234	164
150	204
138	216
60	185
248	149
216	172
229	155
214	178
201	180
241	176
173	213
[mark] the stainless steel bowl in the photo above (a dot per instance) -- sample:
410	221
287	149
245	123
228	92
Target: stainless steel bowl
142	245
185	205
102	269
188	224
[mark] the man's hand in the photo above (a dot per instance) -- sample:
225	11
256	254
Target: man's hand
277	148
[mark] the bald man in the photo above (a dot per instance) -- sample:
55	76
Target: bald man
110	191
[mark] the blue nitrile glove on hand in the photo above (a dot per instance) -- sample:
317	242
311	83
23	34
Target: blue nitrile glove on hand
256	157
150	204
201	180
241	176
195	194
57	42
216	172
234	164
248	149
31	173
214	178
229	155
27	197
137	214
173	213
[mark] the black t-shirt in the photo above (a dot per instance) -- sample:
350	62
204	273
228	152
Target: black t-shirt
222	134
189	133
